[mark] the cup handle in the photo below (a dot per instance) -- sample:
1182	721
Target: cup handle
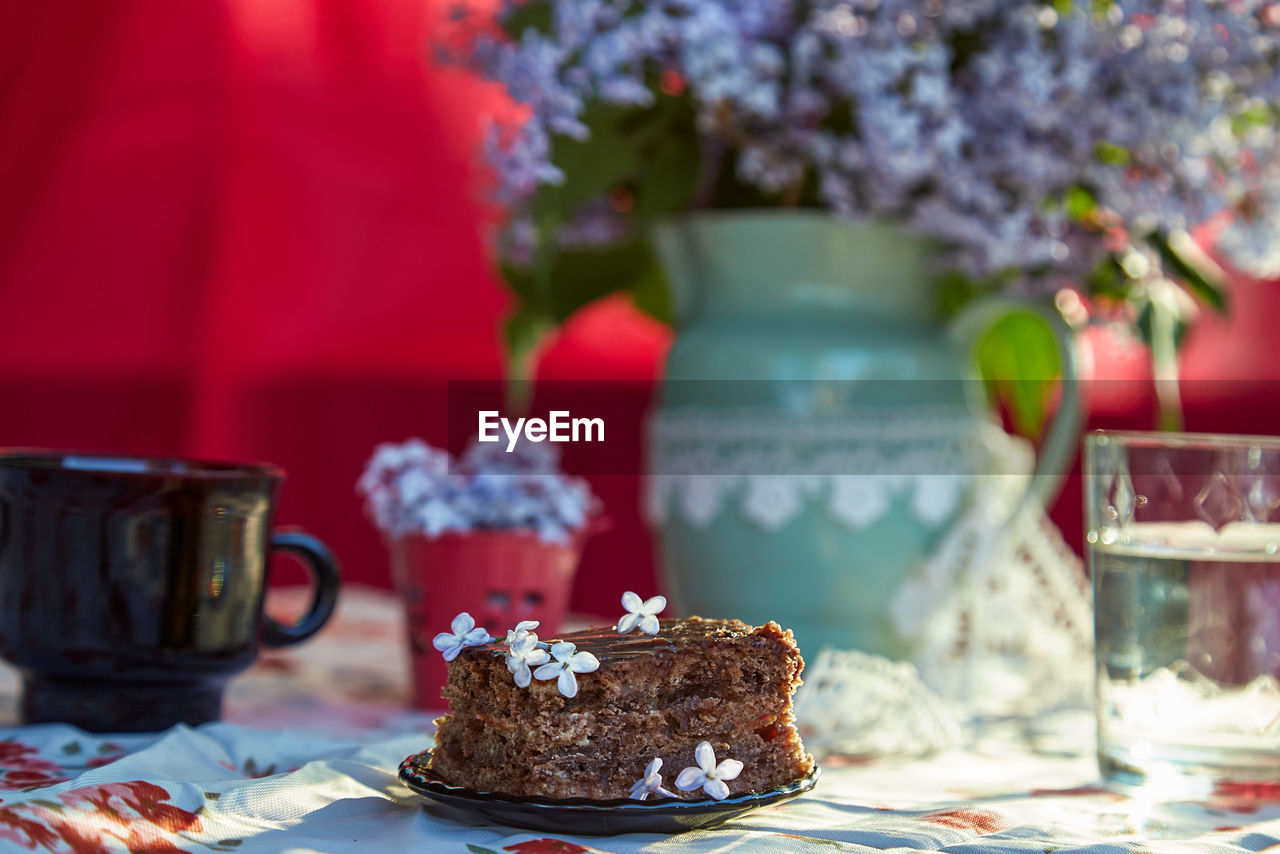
1060	440
323	567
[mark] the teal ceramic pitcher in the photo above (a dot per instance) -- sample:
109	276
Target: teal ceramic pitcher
818	427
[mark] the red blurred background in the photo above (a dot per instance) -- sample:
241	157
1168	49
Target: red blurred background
253	230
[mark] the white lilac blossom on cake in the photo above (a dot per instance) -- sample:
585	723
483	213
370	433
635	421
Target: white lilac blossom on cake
411	488
522	628
641	614
562	662
463	633
567	662
524	652
708	776
651	783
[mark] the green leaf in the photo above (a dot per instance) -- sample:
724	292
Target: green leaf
668	178
519	281
670	164
522	331
1018	360
1256	114
582	276
1112	154
1078	202
479	849
534	15
651	294
1196	274
591	167
654	154
956	290
1108	279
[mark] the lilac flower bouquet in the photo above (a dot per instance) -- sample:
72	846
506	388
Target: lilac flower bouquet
414	489
1043	142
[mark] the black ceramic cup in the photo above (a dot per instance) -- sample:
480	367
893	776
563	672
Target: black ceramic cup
131	588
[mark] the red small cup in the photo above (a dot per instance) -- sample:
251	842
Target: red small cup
498	577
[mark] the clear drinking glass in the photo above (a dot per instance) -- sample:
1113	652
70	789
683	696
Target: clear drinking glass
1183	542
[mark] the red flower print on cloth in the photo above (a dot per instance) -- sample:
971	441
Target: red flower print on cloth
978	821
108	752
27	832
22	768
95	819
79	840
146	840
548	846
1242	797
125	803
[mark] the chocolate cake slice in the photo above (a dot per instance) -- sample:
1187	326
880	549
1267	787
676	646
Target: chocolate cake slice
660	696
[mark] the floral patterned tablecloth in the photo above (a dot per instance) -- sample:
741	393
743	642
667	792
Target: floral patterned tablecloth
307	758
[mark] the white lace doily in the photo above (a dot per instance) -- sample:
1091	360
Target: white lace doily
1002	619
1003	624
857	705
1004	627
1000	614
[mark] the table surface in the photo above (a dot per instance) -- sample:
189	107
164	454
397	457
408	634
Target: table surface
307	759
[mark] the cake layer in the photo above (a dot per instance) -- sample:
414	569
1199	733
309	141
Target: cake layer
720	681
605	772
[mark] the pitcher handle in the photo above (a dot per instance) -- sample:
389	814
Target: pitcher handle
1060	440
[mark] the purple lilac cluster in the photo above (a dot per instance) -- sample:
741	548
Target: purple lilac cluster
970	120
413	489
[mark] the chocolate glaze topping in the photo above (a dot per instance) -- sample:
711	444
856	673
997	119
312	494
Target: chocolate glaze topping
606	644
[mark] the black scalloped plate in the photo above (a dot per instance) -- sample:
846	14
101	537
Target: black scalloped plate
592	818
